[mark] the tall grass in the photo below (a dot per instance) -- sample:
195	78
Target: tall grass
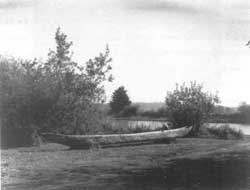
111	126
225	132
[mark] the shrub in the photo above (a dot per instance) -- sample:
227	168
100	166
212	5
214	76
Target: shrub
54	95
189	105
225	132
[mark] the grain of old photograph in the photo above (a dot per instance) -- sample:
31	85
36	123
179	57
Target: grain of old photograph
125	94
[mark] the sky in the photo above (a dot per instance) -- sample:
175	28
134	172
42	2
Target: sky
154	43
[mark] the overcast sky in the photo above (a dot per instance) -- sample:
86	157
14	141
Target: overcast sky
154	43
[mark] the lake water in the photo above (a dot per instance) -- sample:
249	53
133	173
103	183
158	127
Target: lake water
159	124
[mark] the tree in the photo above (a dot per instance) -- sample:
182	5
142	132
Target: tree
189	105
119	100
58	94
75	90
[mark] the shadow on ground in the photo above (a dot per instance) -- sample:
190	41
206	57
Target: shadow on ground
230	172
222	171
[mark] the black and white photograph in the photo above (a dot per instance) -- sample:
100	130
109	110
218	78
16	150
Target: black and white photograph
125	94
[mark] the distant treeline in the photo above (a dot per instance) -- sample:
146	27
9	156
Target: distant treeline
239	115
221	114
138	110
228	118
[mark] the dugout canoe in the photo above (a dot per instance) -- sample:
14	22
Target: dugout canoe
113	140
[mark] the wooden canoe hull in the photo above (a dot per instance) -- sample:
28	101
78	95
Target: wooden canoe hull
87	141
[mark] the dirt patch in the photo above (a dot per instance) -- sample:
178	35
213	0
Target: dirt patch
187	164
228	172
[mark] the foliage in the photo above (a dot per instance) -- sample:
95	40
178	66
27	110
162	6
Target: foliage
159	113
21	97
119	100
189	105
244	110
19	137
226	118
128	111
242	115
225	132
58	94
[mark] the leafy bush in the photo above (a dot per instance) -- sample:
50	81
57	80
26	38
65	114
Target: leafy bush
189	105
225	132
54	95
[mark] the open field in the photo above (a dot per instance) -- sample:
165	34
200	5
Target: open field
187	164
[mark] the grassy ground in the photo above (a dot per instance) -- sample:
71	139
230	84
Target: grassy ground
187	164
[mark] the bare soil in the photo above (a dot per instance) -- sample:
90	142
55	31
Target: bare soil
189	163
